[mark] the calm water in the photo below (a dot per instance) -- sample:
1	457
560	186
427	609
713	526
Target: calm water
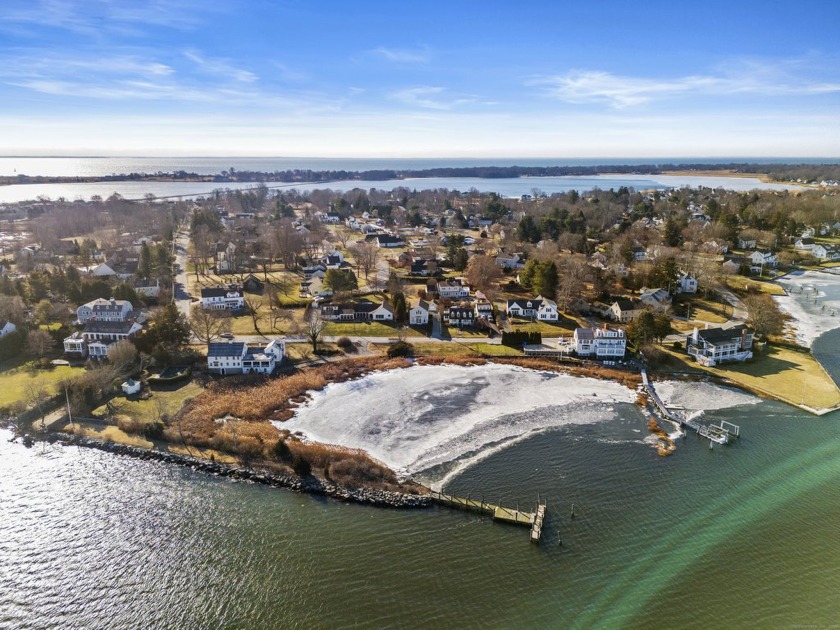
743	536
506	187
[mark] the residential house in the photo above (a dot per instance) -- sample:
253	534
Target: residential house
826	252
388	240
804	244
226	261
104	311
600	342
715	345
221	298
318	270
510	261
452	289
333	260
484	310
423	267
626	311
461	316
419	315
746	243
731	266
658	299
686	284
236	357
146	286
764	259
357	312
6	328
98	336
539	308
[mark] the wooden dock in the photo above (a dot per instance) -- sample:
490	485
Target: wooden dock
534	519
714	433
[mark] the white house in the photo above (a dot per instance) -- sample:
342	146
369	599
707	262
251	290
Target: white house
382	313
6	328
236	357
764	259
600	342
713	345
826	252
104	310
452	289
686	284
626	311
547	311
510	261
98	337
746	243
419	315
218	298
804	244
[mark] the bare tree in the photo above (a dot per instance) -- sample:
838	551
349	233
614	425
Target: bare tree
123	357
39	342
208	325
366	256
314	327
254	308
482	272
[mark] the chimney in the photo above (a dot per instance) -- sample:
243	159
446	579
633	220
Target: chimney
695	336
113	302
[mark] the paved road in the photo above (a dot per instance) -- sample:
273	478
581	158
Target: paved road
179	289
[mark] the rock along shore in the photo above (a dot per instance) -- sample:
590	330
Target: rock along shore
310	485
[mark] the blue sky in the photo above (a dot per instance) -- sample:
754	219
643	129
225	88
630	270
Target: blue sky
422	79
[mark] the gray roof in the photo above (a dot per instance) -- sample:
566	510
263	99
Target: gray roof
716	335
585	333
94	326
209	292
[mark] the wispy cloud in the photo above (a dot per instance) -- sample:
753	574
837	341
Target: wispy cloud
582	86
402	55
220	67
426	97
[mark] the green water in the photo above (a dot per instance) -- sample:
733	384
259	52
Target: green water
744	536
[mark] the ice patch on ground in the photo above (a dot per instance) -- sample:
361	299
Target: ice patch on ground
811	319
696	398
419	417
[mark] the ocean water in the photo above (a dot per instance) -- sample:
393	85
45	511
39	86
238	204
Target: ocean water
505	187
740	536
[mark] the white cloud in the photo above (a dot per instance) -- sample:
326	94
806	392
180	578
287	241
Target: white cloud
581	86
423	96
402	55
220	67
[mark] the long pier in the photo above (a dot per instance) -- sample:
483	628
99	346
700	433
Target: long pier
534	519
716	434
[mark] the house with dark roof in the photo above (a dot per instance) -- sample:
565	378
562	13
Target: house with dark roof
461	316
221	298
252	284
388	240
357	312
539	308
715	345
626	311
104	310
236	357
98	337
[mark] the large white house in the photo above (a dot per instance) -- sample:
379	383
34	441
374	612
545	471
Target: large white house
826	252
104	311
764	259
625	311
600	342
686	284
98	336
540	308
236	357
452	289
221	298
714	345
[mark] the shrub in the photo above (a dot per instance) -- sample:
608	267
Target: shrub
301	466
677	345
153	430
345	344
516	338
282	452
400	349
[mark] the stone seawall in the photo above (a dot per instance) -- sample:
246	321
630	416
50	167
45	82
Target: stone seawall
310	485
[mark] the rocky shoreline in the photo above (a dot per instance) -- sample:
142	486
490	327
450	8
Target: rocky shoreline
309	485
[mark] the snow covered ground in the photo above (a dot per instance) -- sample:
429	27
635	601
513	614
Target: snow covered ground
812	301
416	418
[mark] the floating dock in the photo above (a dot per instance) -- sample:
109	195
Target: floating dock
534	519
716	434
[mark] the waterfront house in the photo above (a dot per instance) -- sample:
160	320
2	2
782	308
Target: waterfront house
600	342
461	316
763	259
221	298
826	252
236	357
715	345
98	337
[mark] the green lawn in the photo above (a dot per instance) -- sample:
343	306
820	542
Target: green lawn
793	376
168	400
367	329
16	378
565	326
